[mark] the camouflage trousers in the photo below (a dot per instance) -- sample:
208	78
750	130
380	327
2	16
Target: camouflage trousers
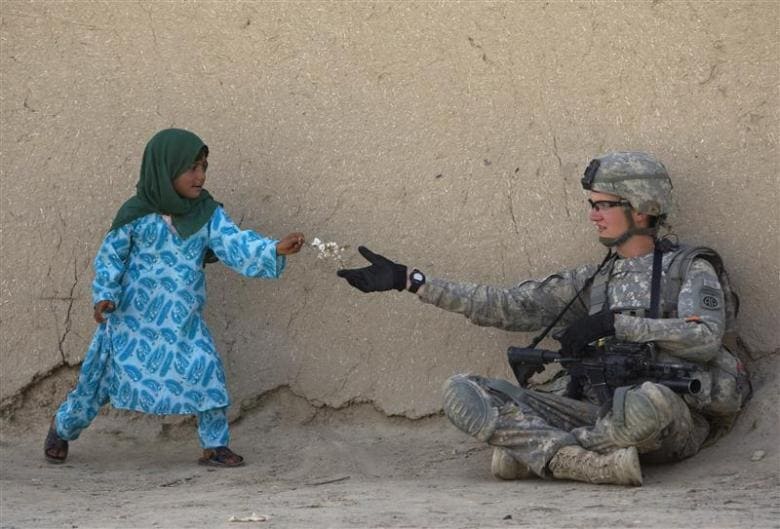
533	425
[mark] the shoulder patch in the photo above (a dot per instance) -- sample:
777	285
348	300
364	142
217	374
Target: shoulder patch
710	298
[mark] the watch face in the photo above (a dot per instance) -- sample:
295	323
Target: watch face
417	276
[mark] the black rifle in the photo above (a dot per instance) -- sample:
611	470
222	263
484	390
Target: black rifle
606	367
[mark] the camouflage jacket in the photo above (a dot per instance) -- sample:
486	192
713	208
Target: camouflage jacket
692	331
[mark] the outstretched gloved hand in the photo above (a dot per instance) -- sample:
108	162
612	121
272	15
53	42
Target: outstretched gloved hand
586	330
383	274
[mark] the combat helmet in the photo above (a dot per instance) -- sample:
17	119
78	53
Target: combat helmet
637	177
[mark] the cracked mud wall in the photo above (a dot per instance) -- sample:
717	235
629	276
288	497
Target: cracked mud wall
450	137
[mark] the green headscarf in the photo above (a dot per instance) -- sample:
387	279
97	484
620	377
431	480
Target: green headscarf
168	154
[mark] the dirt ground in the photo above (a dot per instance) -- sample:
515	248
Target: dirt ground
355	467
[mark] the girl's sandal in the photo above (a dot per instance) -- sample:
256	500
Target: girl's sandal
221	456
55	448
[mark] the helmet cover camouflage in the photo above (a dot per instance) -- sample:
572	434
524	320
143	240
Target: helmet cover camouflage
635	176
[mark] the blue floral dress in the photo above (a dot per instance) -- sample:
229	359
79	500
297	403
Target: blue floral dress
155	354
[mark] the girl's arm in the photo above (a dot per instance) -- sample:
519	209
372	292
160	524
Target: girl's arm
245	251
110	264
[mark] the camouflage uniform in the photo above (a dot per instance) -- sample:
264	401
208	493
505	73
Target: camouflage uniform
545	433
662	425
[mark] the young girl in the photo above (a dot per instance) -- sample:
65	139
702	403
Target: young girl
152	351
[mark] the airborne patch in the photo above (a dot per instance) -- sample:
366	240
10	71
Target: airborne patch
710	298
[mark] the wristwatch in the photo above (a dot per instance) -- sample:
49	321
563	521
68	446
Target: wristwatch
417	279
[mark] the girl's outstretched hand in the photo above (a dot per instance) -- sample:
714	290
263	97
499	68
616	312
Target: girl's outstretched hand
100	308
290	244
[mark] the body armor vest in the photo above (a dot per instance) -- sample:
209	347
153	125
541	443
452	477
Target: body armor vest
674	272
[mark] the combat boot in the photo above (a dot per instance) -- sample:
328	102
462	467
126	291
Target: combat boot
620	467
504	466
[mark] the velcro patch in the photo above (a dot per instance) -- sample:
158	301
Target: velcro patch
710	298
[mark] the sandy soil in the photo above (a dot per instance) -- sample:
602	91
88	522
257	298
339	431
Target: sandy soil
310	467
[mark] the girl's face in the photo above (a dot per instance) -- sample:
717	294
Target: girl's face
189	184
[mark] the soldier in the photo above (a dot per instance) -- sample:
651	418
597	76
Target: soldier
684	310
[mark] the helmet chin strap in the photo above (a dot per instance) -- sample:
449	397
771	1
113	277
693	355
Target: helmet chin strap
630	232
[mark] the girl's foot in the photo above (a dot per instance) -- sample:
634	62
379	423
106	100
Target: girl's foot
221	456
55	448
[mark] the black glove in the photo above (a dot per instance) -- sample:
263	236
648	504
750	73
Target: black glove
383	274
586	330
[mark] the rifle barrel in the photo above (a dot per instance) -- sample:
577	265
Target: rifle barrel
683	386
527	356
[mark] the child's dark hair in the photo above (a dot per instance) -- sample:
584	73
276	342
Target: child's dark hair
210	256
203	153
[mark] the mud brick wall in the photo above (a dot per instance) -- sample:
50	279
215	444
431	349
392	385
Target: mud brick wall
449	136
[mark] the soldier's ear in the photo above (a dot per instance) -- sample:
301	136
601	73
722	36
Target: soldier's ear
642	220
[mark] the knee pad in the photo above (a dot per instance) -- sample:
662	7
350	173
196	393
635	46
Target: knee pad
469	407
646	412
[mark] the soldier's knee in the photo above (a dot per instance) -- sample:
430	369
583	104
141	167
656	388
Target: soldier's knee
647	411
469	406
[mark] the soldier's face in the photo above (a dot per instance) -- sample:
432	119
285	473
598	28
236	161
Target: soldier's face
609	218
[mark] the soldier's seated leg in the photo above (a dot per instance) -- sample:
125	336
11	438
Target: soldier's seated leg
525	437
650	417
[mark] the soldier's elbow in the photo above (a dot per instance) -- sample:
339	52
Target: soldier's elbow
702	353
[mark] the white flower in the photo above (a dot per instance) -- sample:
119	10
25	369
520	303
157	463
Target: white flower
328	250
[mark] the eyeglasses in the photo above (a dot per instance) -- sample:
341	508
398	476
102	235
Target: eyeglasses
601	205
